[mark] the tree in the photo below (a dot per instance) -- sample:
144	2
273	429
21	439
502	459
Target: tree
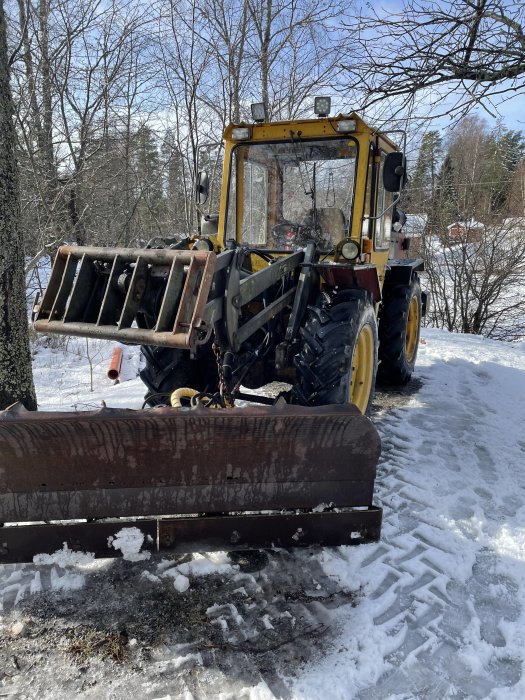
504	148
516	198
425	174
475	280
16	378
475	274
471	51
295	48
225	30
148	177
83	71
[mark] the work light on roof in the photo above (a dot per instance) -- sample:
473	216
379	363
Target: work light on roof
322	106
259	114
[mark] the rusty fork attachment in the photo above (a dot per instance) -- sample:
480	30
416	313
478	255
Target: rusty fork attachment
99	292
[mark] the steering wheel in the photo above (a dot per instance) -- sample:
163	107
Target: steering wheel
287	234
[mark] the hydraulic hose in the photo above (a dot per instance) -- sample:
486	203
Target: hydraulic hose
182	393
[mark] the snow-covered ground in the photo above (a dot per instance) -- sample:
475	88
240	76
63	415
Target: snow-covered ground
435	610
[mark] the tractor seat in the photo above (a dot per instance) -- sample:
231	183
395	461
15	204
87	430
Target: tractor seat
333	223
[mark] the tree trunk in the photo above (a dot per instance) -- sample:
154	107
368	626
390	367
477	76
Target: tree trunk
16	378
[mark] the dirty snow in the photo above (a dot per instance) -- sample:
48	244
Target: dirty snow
435	610
212	563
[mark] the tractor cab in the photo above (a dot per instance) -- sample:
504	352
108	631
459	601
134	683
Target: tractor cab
284	195
326	181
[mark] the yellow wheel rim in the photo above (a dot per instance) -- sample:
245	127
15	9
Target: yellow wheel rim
362	369
412	330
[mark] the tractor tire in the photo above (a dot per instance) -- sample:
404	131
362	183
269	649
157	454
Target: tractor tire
399	329
337	362
168	369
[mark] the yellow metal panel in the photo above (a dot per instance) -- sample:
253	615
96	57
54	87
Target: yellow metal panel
360	184
239	196
224	194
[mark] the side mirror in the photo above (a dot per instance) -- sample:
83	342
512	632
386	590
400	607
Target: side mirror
209	225
399	219
202	187
394	172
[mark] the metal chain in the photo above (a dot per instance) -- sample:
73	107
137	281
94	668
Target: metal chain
225	393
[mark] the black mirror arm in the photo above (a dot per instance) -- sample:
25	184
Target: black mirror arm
396	199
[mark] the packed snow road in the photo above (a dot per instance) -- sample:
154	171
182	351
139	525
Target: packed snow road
435	610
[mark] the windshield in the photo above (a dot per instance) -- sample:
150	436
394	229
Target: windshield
285	195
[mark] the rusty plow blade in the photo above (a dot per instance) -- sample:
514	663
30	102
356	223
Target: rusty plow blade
189	479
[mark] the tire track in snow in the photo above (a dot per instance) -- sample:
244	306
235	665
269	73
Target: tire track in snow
432	580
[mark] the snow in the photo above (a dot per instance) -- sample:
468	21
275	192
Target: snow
200	565
67	581
64	557
213	563
181	583
129	541
435	610
452	486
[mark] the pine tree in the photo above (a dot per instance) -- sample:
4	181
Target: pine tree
505	148
176	186
151	207
425	175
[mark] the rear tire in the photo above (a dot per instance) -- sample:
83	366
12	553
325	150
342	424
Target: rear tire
399	329
337	363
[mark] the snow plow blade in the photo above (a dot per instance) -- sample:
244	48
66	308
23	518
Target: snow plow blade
188	479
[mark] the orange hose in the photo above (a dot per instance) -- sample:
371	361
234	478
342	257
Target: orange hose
115	365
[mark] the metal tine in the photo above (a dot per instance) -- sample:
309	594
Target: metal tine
66	284
134	294
53	286
186	305
171	297
205	282
81	293
109	311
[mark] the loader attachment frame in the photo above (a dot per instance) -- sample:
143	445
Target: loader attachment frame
193	469
98	292
108	292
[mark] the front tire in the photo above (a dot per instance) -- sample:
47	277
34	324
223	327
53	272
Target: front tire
399	329
168	369
337	363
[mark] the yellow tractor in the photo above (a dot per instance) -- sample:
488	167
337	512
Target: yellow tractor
303	278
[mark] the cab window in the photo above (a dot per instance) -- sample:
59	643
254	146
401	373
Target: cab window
383	227
285	195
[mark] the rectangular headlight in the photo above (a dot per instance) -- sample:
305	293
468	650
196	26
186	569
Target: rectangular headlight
345	126
239	133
